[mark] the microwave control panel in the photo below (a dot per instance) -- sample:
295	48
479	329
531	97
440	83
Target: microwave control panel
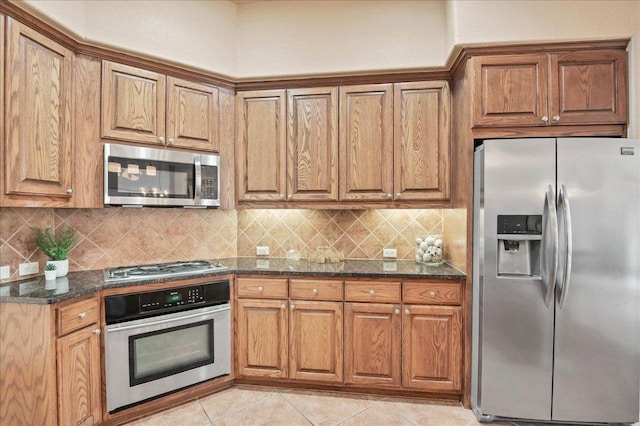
210	182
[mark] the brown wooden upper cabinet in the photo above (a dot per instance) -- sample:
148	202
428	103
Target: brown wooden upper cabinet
421	141
364	159
541	89
147	107
366	142
38	153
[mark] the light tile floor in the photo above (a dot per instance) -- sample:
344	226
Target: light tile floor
249	405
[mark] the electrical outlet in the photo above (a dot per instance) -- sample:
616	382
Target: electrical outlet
262	250
390	253
28	268
5	272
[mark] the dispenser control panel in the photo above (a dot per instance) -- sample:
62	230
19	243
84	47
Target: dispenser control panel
520	224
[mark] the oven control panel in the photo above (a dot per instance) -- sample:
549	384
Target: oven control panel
127	307
171	298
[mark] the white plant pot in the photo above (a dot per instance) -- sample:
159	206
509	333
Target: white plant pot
62	267
50	275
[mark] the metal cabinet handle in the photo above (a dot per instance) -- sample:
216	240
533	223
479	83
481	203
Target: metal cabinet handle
398	194
556	118
293	307
372	292
82	315
281	196
315	291
544	119
97	331
432	294
389	196
397	312
69	191
407	311
171	141
260	289
161	139
283	307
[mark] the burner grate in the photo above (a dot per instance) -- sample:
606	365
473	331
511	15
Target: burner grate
158	270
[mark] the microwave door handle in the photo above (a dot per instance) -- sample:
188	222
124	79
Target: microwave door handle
198	189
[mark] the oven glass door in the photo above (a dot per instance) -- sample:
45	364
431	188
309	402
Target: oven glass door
149	178
170	351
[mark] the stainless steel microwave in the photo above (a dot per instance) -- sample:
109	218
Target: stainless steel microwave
137	176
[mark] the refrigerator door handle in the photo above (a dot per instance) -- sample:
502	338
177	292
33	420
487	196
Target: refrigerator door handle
565	277
549	220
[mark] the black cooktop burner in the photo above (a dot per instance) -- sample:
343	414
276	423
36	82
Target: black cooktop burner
172	269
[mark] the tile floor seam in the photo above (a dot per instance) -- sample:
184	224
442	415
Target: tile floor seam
295	408
205	412
234	411
356	414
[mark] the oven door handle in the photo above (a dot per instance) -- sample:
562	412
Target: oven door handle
165	321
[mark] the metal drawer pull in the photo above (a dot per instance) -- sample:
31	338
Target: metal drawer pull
97	331
372	292
397	311
406	311
260	289
432	294
315	291
82	315
283	307
293	307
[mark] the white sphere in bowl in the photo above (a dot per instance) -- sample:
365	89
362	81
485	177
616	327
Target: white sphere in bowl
418	241
424	246
420	252
418	258
430	241
427	257
438	243
439	252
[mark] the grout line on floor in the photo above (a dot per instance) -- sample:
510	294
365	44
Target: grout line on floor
295	408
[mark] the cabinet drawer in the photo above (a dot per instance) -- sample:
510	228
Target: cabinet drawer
78	315
315	290
262	288
439	293
378	291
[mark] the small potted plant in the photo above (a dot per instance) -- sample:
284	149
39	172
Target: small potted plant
56	248
50	272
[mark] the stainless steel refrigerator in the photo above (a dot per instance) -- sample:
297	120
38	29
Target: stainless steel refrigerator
556	280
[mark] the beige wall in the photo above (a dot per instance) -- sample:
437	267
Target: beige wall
198	33
310	37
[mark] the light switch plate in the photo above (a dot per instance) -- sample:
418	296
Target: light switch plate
390	253
262	250
28	268
5	272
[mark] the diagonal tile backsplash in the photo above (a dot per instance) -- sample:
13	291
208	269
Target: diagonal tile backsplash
360	234
122	236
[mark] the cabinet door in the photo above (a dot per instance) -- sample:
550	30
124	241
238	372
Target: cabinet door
588	87
262	338
510	90
79	386
133	104
315	347
192	115
38	114
421	140
261	139
372	344
366	142
312	145
432	348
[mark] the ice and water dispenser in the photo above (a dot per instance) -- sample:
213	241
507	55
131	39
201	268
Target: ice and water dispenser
519	241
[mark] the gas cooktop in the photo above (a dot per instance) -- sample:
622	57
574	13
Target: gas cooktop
160	270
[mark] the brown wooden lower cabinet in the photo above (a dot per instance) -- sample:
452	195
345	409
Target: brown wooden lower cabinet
432	348
79	384
261	341
50	364
315	335
372	344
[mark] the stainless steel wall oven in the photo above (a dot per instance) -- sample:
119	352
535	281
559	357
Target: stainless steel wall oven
160	341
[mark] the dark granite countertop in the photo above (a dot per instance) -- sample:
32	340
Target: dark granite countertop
39	291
